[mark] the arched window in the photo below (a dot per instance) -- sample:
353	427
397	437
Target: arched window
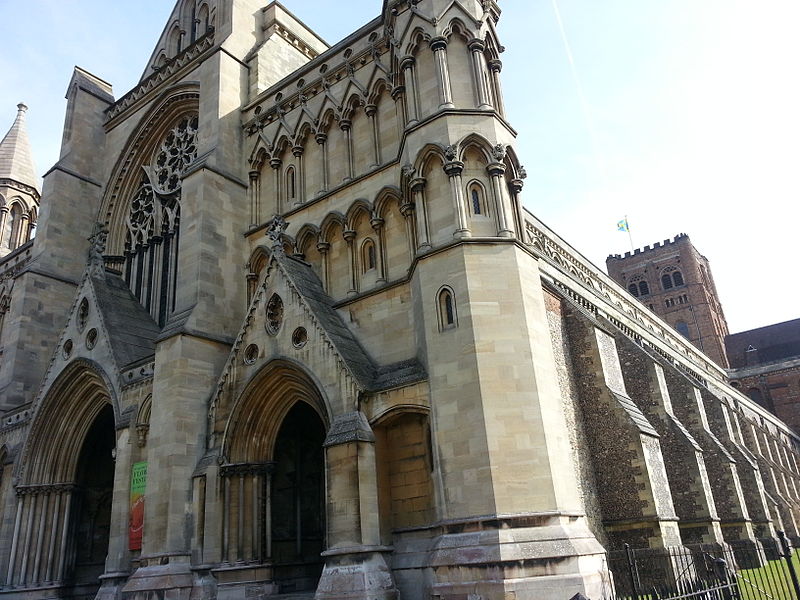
666	281
368	261
677	278
756	396
175	41
644	289
12	227
477	200
291	187
203	24
446	304
634	289
682	328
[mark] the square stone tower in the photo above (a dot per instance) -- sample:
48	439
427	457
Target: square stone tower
674	280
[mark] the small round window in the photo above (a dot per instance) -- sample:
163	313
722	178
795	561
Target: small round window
91	338
274	314
250	354
299	337
67	349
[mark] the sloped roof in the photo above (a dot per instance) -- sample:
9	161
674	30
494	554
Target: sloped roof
371	377
772	343
131	330
16	159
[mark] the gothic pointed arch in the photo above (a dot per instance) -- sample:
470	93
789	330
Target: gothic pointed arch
142	209
66	484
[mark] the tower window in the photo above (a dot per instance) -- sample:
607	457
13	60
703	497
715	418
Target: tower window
477	199
446	306
644	289
633	289
677	278
669	302
682	328
368	261
666	281
291	189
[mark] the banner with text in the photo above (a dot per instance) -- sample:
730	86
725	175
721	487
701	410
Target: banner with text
138	485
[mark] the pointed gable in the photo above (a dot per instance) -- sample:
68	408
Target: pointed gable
16	159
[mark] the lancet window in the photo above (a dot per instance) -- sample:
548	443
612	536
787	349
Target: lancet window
153	221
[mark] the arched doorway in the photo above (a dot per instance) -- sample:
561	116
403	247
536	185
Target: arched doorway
94	489
272	483
63	512
298	502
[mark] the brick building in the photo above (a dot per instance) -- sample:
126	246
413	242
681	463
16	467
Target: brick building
674	281
765	365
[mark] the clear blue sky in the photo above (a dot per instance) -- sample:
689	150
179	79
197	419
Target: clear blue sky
690	120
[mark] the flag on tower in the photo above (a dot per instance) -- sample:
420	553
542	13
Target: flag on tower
623	225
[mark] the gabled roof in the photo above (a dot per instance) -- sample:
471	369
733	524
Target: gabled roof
16	159
131	330
369	376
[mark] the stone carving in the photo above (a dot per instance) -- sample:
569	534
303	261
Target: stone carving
499	152
450	152
97	246
275	231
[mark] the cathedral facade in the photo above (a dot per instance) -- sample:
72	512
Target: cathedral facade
285	327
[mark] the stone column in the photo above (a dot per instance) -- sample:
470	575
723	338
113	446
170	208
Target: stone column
355	567
407	64
371	110
323	248
299	176
276	163
22	235
515	188
255	211
345	125
322	140
398	95
495	66
377	226
3	219
423	243
482	99
454	168
439	47
502	204
349	236
407	210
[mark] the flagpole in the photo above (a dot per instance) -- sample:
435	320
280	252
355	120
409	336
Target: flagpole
630	237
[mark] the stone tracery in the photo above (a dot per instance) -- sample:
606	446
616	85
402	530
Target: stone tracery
153	220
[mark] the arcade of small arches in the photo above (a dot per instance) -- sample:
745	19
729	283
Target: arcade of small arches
376	242
671	277
195	19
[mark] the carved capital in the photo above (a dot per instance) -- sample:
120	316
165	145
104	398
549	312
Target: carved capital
345	124
495	65
376	223
454	168
407	62
349	235
417	184
275	163
495	169
407	209
297	151
516	185
370	109
323	247
321	138
476	45
438	43
253	175
398	91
